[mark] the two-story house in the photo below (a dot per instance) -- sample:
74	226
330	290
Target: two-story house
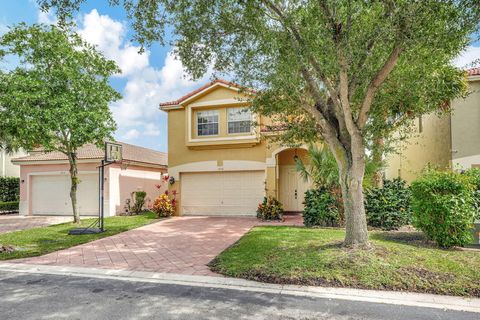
218	163
449	140
7	168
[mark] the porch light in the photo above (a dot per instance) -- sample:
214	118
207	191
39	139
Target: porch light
295	157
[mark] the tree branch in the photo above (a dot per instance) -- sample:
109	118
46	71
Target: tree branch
376	82
311	59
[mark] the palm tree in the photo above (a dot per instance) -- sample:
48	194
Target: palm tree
323	169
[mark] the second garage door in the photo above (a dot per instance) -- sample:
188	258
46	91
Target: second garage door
51	194
222	193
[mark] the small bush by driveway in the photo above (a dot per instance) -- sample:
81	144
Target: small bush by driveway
397	261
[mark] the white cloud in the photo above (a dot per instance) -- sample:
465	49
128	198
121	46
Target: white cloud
137	114
3	29
145	90
46	17
131	134
467	57
109	36
151	129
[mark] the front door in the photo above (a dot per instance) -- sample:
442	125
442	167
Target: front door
292	188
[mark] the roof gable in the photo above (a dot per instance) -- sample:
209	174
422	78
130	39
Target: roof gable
203	91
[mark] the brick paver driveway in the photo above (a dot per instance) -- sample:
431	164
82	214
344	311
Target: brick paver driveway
182	245
15	222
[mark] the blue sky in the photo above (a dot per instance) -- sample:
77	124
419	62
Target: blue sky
146	80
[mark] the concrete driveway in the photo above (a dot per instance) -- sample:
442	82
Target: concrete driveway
14	222
183	245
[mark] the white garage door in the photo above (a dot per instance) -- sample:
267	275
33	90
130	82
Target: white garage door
222	193
51	195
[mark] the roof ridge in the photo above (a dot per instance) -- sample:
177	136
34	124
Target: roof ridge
200	89
140	147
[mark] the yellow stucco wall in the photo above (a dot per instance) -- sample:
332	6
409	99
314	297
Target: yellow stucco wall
189	153
448	141
466	129
432	145
181	152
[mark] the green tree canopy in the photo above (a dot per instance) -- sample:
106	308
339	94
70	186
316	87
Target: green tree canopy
57	97
341	67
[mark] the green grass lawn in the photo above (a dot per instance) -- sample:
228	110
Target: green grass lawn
42	240
397	261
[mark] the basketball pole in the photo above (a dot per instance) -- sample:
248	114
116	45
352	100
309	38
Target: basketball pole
109	158
105	162
102	187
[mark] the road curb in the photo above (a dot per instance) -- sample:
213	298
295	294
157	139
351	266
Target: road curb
373	296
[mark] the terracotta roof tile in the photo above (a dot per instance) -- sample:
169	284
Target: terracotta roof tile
90	151
474	71
188	95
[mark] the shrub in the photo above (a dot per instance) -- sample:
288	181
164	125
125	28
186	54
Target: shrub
139	197
474	175
9	189
270	209
321	208
443	207
389	207
163	206
9	206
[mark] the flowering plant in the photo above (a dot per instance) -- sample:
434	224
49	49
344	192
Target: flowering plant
270	209
163	206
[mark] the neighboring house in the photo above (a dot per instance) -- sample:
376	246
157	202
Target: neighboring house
7	168
449	140
219	164
45	180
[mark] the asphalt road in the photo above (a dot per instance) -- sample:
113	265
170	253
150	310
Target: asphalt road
38	296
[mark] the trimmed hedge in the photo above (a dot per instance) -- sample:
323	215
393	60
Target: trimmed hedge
444	207
474	175
9	206
9	189
320	209
389	207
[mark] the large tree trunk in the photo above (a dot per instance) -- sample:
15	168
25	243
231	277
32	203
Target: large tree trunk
74	186
351	172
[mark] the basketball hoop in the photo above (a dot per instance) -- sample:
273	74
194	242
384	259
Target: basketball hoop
113	152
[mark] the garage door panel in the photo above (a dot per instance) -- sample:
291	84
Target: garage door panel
222	193
50	195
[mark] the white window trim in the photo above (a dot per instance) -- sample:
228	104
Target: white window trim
218	124
239	133
189	119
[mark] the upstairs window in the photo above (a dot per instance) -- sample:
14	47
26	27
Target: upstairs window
207	123
239	120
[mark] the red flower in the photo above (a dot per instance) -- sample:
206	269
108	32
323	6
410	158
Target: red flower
166	192
174	192
158	186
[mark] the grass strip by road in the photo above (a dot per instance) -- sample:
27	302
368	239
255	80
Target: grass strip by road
43	240
397	261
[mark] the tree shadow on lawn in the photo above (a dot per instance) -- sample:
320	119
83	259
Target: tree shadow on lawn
412	238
